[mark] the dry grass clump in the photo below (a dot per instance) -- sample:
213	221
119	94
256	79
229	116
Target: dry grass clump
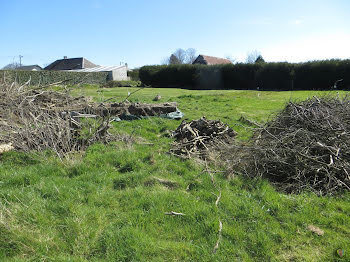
306	147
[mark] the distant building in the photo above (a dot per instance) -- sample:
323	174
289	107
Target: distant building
114	72
81	64
29	68
210	60
70	64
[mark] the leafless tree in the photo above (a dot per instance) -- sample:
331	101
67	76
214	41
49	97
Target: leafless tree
253	56
11	66
180	54
165	61
190	55
232	59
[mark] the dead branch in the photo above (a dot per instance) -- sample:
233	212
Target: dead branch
52	84
126	98
218	197
172	213
216	247
249	122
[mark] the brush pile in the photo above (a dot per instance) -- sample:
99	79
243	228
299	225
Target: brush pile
306	147
39	119
35	119
132	109
199	137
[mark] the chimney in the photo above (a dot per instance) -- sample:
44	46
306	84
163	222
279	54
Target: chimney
65	57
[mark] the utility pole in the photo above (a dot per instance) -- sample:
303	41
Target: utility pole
20	60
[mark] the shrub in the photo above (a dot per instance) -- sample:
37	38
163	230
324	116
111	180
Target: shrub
134	75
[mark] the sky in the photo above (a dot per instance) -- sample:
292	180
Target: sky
110	32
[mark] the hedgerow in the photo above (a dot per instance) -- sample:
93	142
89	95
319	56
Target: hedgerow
48	77
134	74
315	75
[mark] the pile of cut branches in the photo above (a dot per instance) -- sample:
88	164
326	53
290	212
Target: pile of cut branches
36	119
199	137
132	109
306	147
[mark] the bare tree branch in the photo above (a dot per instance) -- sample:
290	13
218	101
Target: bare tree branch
253	56
190	55
180	56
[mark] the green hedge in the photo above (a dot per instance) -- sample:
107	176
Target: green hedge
134	75
169	76
48	77
240	76
317	75
322	74
274	76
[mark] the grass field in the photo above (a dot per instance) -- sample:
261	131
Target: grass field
106	205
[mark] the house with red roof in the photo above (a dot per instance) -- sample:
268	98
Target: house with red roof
210	60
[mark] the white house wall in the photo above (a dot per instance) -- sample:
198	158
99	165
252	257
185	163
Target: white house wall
116	73
120	73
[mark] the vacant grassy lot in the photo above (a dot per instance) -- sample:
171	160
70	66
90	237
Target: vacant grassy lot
106	204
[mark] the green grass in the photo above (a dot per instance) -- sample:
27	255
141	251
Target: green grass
226	105
103	204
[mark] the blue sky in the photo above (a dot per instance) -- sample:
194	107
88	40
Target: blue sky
108	32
